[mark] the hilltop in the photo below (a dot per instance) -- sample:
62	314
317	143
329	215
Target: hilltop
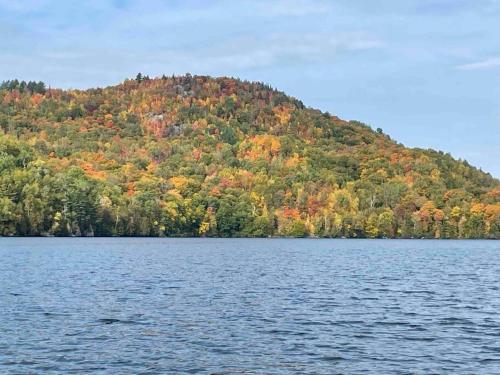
201	156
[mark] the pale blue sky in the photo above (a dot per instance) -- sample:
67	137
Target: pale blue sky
426	71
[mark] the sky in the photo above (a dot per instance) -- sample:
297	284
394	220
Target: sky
425	71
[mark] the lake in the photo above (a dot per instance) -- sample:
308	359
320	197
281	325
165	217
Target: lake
248	306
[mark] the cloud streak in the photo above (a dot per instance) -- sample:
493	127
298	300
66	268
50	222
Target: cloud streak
493	62
293	7
285	48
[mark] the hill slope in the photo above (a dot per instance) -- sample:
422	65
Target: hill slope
198	156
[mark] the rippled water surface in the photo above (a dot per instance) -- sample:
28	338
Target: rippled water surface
257	306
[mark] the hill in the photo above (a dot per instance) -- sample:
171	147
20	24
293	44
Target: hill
200	156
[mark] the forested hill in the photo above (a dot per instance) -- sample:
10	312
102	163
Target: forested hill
201	156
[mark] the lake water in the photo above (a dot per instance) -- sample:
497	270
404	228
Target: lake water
248	306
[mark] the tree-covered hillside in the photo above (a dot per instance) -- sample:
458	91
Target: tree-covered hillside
201	156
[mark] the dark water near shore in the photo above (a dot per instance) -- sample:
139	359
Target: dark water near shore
269	306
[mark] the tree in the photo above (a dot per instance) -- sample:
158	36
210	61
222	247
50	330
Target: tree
386	223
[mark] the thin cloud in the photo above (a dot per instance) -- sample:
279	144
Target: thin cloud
22	6
293	7
486	64
252	52
229	56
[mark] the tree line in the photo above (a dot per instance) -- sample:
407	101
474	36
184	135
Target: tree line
200	156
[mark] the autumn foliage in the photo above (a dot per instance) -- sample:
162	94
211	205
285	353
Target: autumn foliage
200	156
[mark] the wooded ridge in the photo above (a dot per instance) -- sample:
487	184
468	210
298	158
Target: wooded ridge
201	156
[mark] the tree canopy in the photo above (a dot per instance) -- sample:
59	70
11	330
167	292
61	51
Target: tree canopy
200	156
